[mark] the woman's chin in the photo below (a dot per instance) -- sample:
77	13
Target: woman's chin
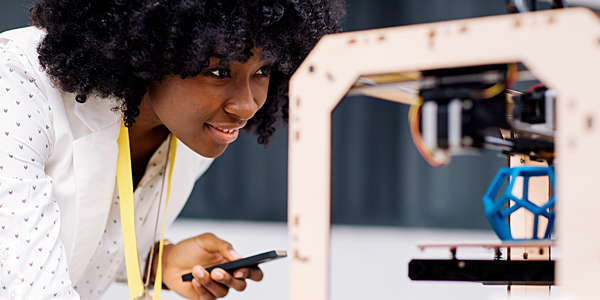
210	152
204	148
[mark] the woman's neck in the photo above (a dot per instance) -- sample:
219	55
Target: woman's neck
145	136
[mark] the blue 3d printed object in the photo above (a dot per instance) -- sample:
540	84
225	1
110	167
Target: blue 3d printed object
497	209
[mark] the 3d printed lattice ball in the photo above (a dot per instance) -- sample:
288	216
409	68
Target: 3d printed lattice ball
496	206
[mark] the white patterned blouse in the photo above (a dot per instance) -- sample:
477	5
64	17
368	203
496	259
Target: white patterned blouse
41	255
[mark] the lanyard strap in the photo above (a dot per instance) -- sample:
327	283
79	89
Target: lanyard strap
125	186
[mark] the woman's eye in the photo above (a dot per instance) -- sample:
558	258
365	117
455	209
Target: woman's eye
264	71
219	73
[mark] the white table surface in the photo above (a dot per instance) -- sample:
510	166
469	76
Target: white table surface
367	262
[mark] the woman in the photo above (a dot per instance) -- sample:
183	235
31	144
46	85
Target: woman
180	74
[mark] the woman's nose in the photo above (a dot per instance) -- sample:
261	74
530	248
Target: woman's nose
242	103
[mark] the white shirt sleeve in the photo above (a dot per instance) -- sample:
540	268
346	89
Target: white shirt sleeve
33	262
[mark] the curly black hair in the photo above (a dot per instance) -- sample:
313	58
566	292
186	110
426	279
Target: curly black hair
120	48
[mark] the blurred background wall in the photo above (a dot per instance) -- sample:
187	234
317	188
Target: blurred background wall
378	178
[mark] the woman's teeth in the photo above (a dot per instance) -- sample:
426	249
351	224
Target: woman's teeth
225	130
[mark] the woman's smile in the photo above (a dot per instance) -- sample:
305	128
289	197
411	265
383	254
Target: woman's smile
224	133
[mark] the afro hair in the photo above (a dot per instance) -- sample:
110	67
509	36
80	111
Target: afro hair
120	48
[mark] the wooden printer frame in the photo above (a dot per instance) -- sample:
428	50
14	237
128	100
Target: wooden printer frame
560	47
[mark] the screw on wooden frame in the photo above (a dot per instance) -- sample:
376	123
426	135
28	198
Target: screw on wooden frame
589	122
517	23
300	257
329	76
431	35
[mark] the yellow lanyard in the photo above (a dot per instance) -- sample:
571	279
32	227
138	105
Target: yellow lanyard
125	186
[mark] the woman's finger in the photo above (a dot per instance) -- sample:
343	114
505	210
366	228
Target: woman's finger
255	274
200	292
241	273
215	289
224	278
212	243
212	286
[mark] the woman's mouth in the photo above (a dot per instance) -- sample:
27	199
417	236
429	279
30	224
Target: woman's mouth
224	134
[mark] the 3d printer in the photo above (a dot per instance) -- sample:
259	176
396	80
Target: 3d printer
458	78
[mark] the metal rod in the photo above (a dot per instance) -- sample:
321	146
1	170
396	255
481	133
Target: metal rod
410	87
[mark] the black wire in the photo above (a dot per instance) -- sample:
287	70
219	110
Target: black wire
510	7
518	8
559	3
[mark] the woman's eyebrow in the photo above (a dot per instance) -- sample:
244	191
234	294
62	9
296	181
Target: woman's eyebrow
218	64
214	61
266	63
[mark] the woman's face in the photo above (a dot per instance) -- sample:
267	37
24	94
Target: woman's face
206	112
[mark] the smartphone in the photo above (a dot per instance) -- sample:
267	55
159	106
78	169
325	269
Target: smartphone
251	261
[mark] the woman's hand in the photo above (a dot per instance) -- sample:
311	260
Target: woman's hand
195	253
